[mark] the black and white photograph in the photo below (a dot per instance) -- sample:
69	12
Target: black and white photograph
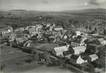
52	36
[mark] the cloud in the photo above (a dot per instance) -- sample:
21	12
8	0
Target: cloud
94	2
97	2
52	5
101	1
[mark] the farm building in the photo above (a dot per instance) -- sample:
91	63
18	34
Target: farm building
5	31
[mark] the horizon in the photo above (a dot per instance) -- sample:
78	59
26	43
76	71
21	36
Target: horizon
51	5
54	11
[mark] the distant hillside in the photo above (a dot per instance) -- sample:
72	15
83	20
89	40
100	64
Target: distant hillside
89	18
87	12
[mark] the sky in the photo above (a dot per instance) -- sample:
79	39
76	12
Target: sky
51	5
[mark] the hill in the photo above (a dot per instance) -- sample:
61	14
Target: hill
77	18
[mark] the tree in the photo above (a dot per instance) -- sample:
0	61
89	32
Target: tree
95	30
104	32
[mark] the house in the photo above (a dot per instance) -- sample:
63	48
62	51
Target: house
59	50
38	28
93	57
12	37
58	28
19	29
48	25
79	49
78	33
80	60
52	27
28	27
74	44
21	37
32	30
27	43
20	40
5	31
102	41
82	43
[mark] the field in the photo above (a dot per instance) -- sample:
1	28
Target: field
15	62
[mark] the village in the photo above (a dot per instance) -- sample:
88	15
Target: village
74	45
